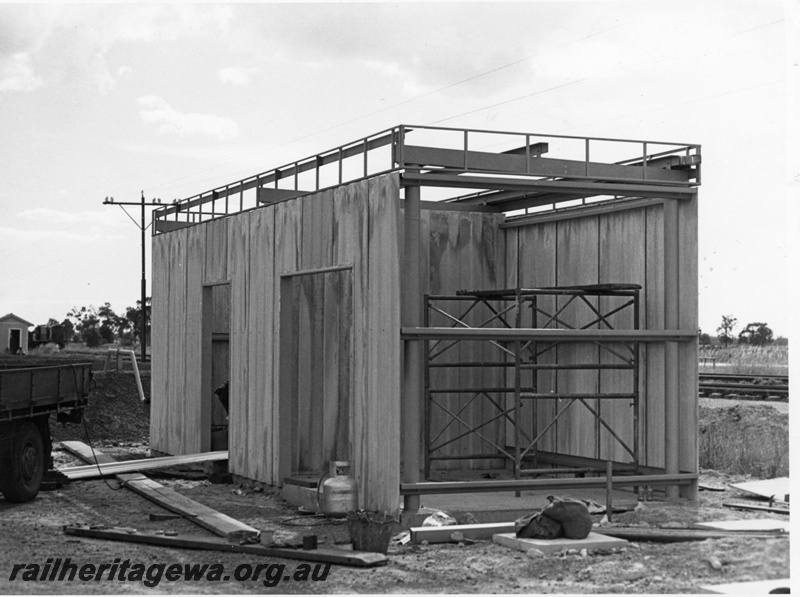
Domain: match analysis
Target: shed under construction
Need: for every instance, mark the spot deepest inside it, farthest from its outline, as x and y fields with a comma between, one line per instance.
x=532, y=312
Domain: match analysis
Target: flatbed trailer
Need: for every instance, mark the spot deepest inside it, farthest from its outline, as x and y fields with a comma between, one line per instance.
x=28, y=397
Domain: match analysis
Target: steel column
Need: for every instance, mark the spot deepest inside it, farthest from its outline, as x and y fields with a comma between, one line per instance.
x=671, y=373
x=413, y=361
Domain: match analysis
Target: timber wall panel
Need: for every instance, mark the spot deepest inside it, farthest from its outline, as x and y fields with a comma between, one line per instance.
x=287, y=250
x=463, y=251
x=688, y=351
x=622, y=260
x=577, y=263
x=176, y=356
x=355, y=234
x=261, y=316
x=241, y=423
x=193, y=398
x=216, y=250
x=159, y=379
x=626, y=247
x=653, y=365
x=383, y=346
x=537, y=267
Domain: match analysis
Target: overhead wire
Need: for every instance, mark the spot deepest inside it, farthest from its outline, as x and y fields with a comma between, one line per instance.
x=624, y=67
x=410, y=100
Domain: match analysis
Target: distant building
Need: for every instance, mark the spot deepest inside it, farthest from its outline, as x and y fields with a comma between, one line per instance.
x=14, y=333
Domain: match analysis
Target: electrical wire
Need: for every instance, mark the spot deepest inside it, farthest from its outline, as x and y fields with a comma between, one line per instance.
x=407, y=101
x=89, y=439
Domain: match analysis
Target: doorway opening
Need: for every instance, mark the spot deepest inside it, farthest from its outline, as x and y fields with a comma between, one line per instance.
x=215, y=387
x=316, y=370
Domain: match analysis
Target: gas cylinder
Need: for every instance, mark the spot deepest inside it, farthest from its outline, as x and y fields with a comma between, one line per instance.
x=338, y=494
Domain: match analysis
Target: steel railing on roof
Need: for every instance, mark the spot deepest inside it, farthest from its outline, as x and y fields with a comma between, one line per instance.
x=468, y=151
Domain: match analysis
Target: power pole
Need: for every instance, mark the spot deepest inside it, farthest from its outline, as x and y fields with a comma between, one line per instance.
x=142, y=227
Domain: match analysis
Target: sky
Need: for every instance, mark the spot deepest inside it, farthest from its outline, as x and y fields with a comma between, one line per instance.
x=170, y=100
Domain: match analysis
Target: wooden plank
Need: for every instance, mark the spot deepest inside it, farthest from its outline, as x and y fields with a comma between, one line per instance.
x=176, y=354
x=759, y=525
x=261, y=317
x=239, y=415
x=317, y=243
x=778, y=488
x=159, y=325
x=200, y=514
x=383, y=346
x=195, y=512
x=216, y=254
x=743, y=506
x=75, y=473
x=477, y=532
x=538, y=268
x=359, y=559
x=680, y=535
x=577, y=263
x=653, y=362
x=194, y=403
x=464, y=251
x=755, y=587
x=622, y=260
x=688, y=293
x=358, y=231
x=86, y=453
x=346, y=243
x=287, y=254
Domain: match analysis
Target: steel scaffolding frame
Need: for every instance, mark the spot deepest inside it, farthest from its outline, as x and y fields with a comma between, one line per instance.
x=505, y=310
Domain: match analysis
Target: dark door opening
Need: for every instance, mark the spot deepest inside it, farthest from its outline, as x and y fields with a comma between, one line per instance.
x=316, y=370
x=216, y=364
x=15, y=341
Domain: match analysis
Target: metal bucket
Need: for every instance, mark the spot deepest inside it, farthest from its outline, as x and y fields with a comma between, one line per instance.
x=370, y=531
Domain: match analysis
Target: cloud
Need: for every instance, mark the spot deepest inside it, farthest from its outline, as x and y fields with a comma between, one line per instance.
x=236, y=75
x=16, y=73
x=156, y=110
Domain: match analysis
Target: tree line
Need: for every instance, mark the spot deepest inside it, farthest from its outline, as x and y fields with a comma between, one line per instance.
x=97, y=326
x=755, y=334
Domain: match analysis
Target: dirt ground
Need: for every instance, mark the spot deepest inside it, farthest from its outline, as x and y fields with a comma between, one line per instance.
x=32, y=533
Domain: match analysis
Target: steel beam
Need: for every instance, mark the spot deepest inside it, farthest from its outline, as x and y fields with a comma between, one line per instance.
x=436, y=488
x=546, y=335
x=517, y=164
x=660, y=190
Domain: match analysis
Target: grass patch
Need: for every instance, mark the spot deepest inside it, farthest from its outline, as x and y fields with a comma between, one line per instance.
x=745, y=440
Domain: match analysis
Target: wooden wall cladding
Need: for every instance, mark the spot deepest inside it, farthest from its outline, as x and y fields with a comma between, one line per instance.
x=355, y=226
x=625, y=246
x=464, y=251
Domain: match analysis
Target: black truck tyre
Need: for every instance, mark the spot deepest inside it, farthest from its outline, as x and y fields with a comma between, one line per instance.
x=22, y=462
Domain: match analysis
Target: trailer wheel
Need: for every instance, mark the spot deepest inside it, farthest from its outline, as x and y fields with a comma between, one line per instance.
x=22, y=463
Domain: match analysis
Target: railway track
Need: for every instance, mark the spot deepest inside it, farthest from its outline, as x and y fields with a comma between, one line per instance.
x=757, y=387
